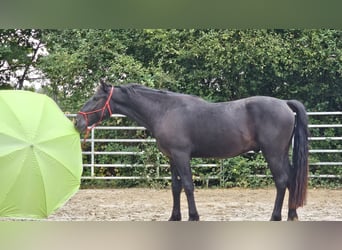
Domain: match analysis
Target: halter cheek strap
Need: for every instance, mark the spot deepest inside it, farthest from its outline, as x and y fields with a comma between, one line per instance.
x=102, y=110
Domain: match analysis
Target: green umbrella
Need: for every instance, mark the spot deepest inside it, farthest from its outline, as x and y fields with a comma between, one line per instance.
x=40, y=155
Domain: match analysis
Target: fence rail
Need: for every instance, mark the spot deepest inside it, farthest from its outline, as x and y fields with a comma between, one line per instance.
x=93, y=153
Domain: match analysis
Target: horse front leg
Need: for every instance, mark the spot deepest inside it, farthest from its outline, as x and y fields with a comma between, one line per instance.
x=176, y=192
x=181, y=163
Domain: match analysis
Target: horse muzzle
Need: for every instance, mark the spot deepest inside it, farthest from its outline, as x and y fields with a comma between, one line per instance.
x=80, y=123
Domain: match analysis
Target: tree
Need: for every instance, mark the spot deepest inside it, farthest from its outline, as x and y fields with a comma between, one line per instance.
x=19, y=52
x=79, y=58
x=218, y=65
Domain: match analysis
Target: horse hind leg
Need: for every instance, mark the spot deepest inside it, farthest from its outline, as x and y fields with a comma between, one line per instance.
x=279, y=166
x=280, y=183
x=281, y=171
x=292, y=213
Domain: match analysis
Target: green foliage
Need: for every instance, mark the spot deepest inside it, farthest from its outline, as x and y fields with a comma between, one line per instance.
x=19, y=52
x=79, y=58
x=241, y=171
x=218, y=65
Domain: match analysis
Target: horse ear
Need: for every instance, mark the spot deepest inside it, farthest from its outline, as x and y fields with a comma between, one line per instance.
x=104, y=85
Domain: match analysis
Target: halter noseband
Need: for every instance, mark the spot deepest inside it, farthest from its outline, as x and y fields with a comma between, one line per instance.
x=103, y=109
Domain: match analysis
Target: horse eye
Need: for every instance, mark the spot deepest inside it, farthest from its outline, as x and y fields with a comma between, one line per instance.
x=95, y=99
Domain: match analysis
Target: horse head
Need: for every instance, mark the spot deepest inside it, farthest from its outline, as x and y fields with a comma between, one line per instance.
x=96, y=109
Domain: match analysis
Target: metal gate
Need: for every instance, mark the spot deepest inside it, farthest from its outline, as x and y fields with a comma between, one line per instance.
x=318, y=128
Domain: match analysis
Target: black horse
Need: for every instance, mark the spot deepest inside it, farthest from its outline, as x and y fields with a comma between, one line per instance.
x=187, y=126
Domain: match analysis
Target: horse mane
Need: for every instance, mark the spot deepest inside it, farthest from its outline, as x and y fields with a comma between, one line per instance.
x=138, y=87
x=133, y=88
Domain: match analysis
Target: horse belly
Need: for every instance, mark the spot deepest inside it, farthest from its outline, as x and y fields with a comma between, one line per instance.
x=222, y=137
x=215, y=153
x=221, y=147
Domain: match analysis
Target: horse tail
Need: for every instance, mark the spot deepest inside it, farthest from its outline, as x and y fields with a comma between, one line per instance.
x=299, y=176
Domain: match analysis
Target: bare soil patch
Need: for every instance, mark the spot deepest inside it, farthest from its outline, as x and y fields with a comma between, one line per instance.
x=143, y=204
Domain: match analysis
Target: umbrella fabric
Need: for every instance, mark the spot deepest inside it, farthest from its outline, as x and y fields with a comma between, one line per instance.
x=40, y=155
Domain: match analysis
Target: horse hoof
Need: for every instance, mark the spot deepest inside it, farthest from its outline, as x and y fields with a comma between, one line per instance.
x=194, y=218
x=175, y=218
x=275, y=218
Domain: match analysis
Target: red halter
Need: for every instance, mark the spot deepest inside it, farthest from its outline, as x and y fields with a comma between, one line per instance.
x=103, y=109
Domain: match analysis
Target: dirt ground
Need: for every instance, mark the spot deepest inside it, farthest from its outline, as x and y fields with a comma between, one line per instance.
x=141, y=204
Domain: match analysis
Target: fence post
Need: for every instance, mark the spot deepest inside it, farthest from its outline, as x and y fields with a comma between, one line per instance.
x=92, y=161
x=221, y=174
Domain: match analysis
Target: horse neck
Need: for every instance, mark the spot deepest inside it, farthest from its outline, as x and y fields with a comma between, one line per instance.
x=139, y=108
